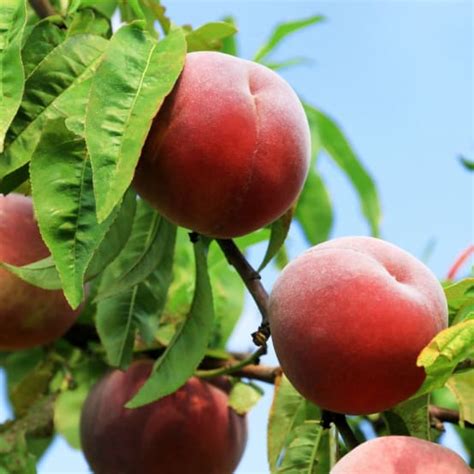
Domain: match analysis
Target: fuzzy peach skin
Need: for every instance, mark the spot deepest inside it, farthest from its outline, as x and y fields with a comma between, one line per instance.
x=229, y=150
x=348, y=320
x=29, y=316
x=401, y=455
x=192, y=431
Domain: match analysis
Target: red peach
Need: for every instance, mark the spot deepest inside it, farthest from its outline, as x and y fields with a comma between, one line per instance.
x=401, y=455
x=29, y=316
x=192, y=431
x=228, y=151
x=348, y=320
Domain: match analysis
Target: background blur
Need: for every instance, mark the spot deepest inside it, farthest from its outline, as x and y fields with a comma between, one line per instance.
x=398, y=77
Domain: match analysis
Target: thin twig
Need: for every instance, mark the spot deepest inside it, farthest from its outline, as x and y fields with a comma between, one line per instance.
x=251, y=279
x=447, y=415
x=233, y=367
x=340, y=421
x=42, y=8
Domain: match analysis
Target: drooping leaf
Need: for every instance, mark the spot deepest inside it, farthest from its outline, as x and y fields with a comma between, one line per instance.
x=338, y=148
x=89, y=21
x=284, y=416
x=153, y=8
x=440, y=357
x=229, y=43
x=188, y=346
x=279, y=232
x=65, y=66
x=460, y=296
x=244, y=396
x=46, y=35
x=63, y=197
x=44, y=273
x=227, y=287
x=462, y=386
x=281, y=32
x=106, y=7
x=314, y=209
x=210, y=36
x=152, y=240
x=12, y=77
x=137, y=73
x=410, y=418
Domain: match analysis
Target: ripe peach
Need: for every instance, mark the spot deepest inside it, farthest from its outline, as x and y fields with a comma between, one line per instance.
x=401, y=455
x=228, y=151
x=191, y=431
x=349, y=318
x=29, y=316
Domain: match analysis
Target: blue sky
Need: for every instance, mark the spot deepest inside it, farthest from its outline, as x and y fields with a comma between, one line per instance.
x=398, y=77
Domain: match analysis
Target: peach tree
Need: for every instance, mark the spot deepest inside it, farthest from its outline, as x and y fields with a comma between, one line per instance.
x=140, y=160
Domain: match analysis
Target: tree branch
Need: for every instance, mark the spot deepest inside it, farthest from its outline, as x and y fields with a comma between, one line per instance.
x=251, y=278
x=42, y=8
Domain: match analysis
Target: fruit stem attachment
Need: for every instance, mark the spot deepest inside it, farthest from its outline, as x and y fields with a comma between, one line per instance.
x=230, y=369
x=340, y=421
x=251, y=278
x=42, y=8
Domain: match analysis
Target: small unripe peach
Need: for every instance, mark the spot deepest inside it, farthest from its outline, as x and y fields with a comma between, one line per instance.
x=401, y=455
x=348, y=320
x=228, y=151
x=192, y=431
x=29, y=316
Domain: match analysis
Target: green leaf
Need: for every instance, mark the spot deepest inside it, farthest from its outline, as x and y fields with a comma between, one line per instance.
x=209, y=37
x=63, y=197
x=285, y=414
x=467, y=163
x=227, y=287
x=301, y=456
x=461, y=385
x=106, y=7
x=14, y=180
x=152, y=240
x=68, y=405
x=14, y=455
x=68, y=64
x=44, y=273
x=281, y=32
x=460, y=296
x=137, y=73
x=188, y=345
x=88, y=21
x=338, y=148
x=410, y=418
x=153, y=8
x=279, y=232
x=12, y=77
x=46, y=35
x=443, y=353
x=229, y=43
x=278, y=66
x=314, y=209
x=244, y=396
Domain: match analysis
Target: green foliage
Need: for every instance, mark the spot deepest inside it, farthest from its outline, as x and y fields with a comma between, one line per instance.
x=440, y=357
x=12, y=76
x=244, y=396
x=128, y=89
x=460, y=296
x=188, y=346
x=209, y=37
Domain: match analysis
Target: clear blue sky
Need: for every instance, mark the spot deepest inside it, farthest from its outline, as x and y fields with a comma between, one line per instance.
x=398, y=77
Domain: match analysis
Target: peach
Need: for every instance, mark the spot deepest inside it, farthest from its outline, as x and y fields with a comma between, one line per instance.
x=29, y=316
x=401, y=455
x=228, y=151
x=348, y=320
x=191, y=431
